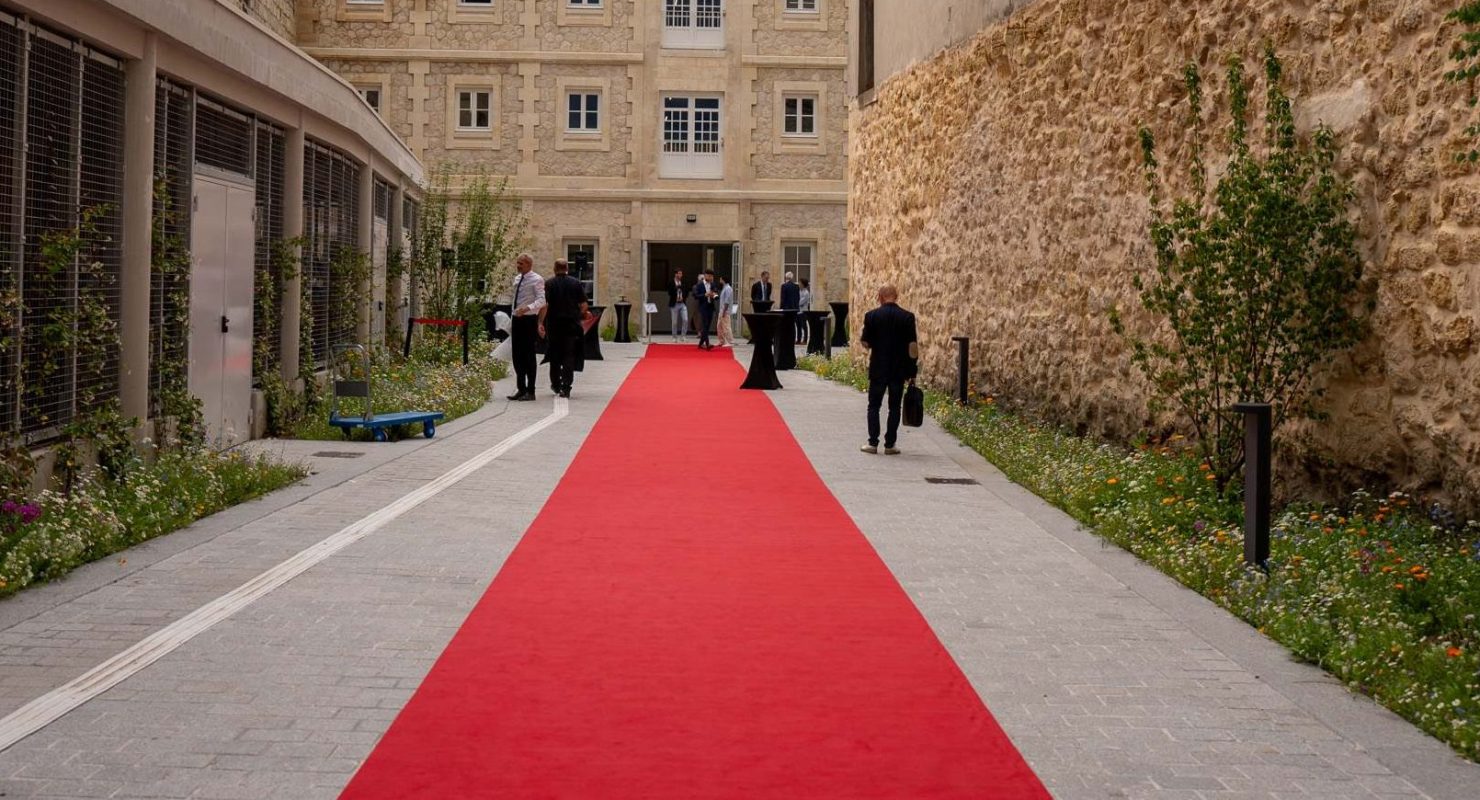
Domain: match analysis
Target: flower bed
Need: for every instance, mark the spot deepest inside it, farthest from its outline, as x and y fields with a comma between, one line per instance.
x=47, y=537
x=1378, y=593
x=433, y=379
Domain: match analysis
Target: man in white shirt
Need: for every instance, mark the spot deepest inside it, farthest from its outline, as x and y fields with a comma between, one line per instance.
x=528, y=299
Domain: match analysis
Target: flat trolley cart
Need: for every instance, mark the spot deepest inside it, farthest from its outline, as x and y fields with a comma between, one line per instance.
x=346, y=386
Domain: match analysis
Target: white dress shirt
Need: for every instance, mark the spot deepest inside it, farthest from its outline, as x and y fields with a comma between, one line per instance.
x=529, y=290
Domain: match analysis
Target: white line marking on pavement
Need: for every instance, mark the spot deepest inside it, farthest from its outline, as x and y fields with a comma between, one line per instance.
x=51, y=706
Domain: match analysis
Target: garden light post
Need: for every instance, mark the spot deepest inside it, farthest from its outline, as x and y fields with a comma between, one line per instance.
x=1258, y=419
x=963, y=368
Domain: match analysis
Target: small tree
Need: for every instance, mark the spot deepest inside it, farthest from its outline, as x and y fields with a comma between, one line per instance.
x=464, y=249
x=1253, y=279
x=1466, y=56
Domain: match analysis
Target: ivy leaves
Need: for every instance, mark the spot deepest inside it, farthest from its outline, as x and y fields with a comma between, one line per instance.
x=1466, y=56
x=1253, y=278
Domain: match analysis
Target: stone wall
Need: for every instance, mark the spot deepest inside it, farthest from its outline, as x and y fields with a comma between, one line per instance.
x=275, y=14
x=998, y=184
x=822, y=158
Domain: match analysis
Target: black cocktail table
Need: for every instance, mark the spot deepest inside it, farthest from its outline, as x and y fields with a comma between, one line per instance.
x=786, y=336
x=840, y=324
x=624, y=315
x=762, y=373
x=593, y=335
x=761, y=307
x=816, y=332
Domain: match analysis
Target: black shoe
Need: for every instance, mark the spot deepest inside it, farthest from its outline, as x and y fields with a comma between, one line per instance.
x=527, y=397
x=517, y=396
x=564, y=393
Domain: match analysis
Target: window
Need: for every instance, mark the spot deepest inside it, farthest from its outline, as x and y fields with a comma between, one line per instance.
x=801, y=6
x=583, y=112
x=800, y=116
x=474, y=110
x=797, y=258
x=582, y=259
x=865, y=45
x=475, y=3
x=695, y=24
x=371, y=95
x=584, y=3
x=691, y=138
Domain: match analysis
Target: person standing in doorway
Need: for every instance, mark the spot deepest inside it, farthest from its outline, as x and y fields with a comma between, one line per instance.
x=560, y=323
x=528, y=302
x=706, y=295
x=678, y=309
x=893, y=349
x=791, y=298
x=804, y=304
x=726, y=301
x=760, y=291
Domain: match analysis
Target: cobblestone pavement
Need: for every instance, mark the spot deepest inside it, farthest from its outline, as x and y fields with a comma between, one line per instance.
x=1114, y=682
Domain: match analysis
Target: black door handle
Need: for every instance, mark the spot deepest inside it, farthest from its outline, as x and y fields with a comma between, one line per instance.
x=225, y=324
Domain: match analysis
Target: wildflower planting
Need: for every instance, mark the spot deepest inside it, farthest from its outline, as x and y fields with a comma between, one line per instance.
x=45, y=537
x=433, y=379
x=1381, y=593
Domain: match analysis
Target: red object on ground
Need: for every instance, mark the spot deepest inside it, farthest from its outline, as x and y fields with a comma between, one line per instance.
x=662, y=632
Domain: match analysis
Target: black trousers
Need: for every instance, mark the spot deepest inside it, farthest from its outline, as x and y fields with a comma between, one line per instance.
x=876, y=392
x=565, y=342
x=801, y=327
x=526, y=331
x=706, y=320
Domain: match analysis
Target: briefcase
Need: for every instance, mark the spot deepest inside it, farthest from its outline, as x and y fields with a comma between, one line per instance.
x=914, y=406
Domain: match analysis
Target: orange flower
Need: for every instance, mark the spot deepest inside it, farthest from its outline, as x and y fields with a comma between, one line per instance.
x=1454, y=652
x=1113, y=481
x=1416, y=569
x=1400, y=587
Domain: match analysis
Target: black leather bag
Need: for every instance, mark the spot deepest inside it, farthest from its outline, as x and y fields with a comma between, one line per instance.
x=914, y=406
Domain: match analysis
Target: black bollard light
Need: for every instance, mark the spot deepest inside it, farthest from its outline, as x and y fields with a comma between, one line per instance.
x=963, y=368
x=1258, y=423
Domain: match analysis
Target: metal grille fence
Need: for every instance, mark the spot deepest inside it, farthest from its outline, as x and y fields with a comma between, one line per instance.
x=331, y=217
x=223, y=137
x=174, y=137
x=267, y=317
x=382, y=200
x=61, y=142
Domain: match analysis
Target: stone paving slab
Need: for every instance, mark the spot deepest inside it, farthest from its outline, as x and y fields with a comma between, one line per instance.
x=1113, y=680
x=287, y=697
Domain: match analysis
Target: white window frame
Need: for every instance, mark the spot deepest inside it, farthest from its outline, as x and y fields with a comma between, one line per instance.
x=787, y=116
x=801, y=6
x=803, y=269
x=379, y=89
x=362, y=11
x=698, y=149
x=458, y=137
x=794, y=15
x=694, y=24
x=472, y=93
x=585, y=113
x=815, y=143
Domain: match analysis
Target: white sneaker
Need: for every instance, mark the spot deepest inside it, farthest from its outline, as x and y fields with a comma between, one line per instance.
x=870, y=449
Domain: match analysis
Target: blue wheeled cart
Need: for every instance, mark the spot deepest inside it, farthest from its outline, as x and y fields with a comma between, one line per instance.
x=346, y=386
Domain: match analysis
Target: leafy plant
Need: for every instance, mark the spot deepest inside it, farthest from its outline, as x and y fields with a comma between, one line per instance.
x=171, y=268
x=1466, y=56
x=466, y=249
x=1254, y=277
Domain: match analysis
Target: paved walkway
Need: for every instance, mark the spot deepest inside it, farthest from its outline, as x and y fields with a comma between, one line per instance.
x=1113, y=681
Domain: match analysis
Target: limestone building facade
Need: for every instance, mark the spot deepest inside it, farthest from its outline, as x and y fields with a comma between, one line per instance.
x=654, y=135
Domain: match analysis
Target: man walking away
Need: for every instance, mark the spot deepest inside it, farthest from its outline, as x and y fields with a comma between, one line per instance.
x=528, y=302
x=706, y=295
x=889, y=337
x=678, y=310
x=560, y=323
x=760, y=291
x=726, y=300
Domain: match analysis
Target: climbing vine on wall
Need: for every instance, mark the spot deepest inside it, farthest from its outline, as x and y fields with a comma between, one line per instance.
x=1466, y=57
x=171, y=266
x=285, y=404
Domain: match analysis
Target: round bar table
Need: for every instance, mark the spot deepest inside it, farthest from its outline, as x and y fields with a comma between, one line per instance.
x=624, y=316
x=840, y=324
x=786, y=337
x=762, y=373
x=761, y=307
x=593, y=335
x=816, y=332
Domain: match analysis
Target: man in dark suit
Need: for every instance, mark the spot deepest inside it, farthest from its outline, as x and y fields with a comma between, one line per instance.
x=889, y=337
x=560, y=323
x=791, y=294
x=760, y=291
x=678, y=309
x=707, y=295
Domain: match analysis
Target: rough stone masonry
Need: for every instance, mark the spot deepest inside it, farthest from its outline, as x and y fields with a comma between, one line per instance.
x=998, y=183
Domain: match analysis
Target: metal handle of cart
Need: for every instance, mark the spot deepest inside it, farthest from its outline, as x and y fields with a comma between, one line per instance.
x=349, y=388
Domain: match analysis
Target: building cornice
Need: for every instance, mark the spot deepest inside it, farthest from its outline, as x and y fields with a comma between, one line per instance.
x=470, y=56
x=796, y=62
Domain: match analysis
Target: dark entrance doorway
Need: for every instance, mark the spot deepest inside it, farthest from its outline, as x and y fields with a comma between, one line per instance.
x=666, y=258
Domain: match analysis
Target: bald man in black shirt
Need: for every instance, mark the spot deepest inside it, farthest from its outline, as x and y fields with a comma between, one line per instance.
x=560, y=324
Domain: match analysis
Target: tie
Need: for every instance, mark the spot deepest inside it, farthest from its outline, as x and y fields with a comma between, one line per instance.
x=517, y=287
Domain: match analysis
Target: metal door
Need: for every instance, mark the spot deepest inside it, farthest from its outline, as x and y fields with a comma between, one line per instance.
x=222, y=247
x=380, y=238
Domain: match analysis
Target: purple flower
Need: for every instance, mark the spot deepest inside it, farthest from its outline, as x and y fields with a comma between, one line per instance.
x=30, y=512
x=1199, y=526
x=10, y=507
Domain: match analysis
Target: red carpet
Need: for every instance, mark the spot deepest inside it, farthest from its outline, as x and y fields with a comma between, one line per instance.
x=693, y=615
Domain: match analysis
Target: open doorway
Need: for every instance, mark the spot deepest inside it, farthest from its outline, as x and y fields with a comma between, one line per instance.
x=667, y=258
